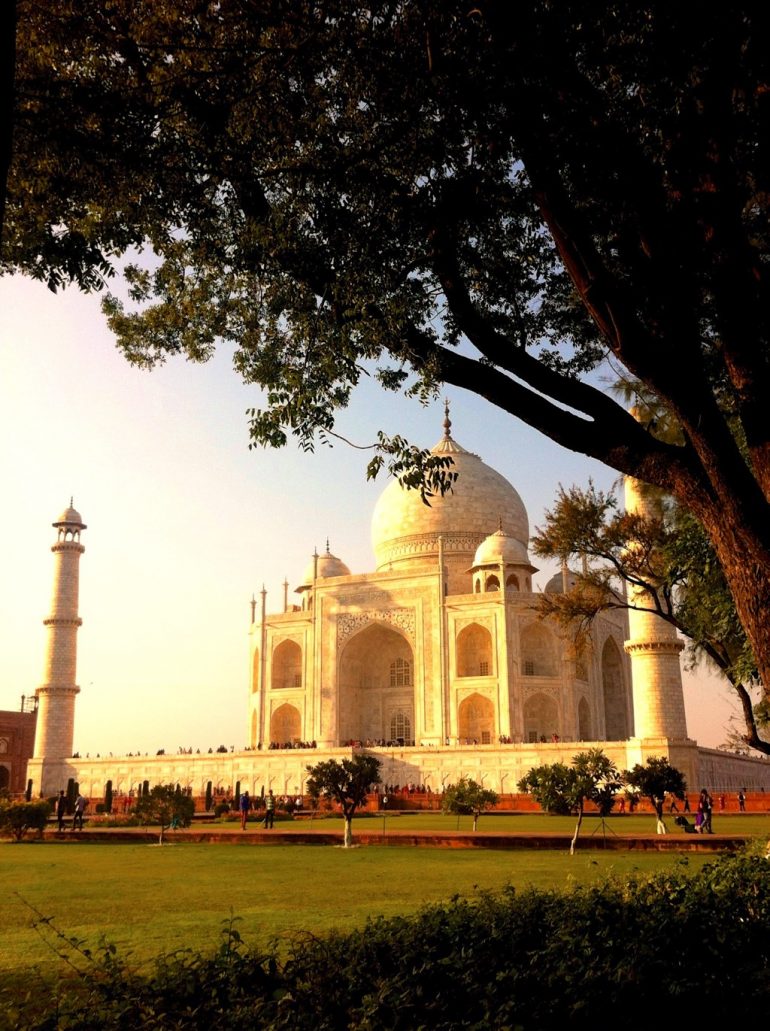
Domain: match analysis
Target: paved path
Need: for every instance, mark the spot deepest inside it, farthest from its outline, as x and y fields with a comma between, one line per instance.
x=320, y=834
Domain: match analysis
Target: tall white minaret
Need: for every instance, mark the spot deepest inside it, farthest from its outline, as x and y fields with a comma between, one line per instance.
x=654, y=648
x=56, y=695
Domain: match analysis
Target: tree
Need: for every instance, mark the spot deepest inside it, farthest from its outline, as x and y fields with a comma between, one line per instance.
x=167, y=805
x=468, y=797
x=341, y=189
x=592, y=777
x=16, y=818
x=669, y=563
x=346, y=782
x=654, y=780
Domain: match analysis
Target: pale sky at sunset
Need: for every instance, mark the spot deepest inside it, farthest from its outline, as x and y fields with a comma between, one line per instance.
x=185, y=523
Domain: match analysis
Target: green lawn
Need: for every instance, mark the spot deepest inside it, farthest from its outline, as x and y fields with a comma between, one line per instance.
x=149, y=900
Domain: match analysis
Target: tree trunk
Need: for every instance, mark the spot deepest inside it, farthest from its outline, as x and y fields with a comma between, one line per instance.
x=743, y=549
x=160, y=839
x=573, y=843
x=475, y=821
x=347, y=839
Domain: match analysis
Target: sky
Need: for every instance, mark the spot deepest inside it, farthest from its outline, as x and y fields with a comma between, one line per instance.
x=185, y=524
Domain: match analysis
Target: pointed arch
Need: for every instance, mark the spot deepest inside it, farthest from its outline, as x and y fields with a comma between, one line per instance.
x=585, y=729
x=492, y=583
x=474, y=651
x=541, y=717
x=616, y=722
x=286, y=669
x=476, y=720
x=253, y=730
x=512, y=583
x=538, y=652
x=285, y=724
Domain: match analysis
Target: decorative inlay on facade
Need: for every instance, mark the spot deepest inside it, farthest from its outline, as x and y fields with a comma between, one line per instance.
x=349, y=622
x=672, y=646
x=540, y=688
x=428, y=543
x=487, y=622
x=57, y=621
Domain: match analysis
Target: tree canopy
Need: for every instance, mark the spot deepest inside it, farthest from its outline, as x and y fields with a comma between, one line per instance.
x=346, y=782
x=165, y=804
x=592, y=777
x=665, y=562
x=492, y=195
x=469, y=797
x=656, y=778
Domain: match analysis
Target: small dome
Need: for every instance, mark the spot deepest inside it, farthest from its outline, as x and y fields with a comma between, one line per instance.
x=70, y=517
x=501, y=549
x=328, y=565
x=556, y=584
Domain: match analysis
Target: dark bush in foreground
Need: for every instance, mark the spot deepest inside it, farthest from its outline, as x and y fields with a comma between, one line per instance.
x=633, y=954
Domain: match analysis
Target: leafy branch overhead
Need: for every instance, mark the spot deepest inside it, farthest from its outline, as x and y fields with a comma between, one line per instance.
x=495, y=196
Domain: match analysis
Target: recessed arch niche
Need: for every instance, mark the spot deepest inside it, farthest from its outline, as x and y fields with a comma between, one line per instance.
x=474, y=651
x=285, y=724
x=615, y=707
x=476, y=720
x=287, y=666
x=376, y=685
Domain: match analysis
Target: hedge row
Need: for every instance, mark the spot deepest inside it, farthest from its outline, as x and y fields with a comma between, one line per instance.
x=632, y=954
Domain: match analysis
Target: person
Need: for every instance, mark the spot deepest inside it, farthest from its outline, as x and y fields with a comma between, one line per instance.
x=699, y=818
x=269, y=809
x=742, y=800
x=80, y=807
x=61, y=810
x=244, y=805
x=707, y=803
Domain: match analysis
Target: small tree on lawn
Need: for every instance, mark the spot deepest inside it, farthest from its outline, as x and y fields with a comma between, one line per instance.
x=466, y=797
x=346, y=782
x=592, y=777
x=166, y=805
x=653, y=780
x=16, y=818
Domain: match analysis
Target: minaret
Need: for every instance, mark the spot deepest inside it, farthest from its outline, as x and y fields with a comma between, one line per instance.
x=654, y=648
x=56, y=695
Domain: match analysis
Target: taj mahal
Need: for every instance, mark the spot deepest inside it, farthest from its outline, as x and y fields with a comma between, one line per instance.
x=438, y=662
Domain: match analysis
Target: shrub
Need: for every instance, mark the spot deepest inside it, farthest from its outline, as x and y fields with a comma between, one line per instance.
x=16, y=818
x=620, y=953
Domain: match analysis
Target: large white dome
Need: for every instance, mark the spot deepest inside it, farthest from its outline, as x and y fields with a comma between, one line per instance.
x=405, y=531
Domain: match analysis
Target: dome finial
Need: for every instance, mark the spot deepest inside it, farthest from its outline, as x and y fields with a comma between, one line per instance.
x=328, y=552
x=447, y=420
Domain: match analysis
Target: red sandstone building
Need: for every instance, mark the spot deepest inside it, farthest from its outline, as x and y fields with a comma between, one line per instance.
x=17, y=742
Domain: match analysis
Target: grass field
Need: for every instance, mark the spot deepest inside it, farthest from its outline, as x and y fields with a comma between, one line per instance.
x=149, y=900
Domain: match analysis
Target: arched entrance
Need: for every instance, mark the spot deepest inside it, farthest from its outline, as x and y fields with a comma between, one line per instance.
x=376, y=686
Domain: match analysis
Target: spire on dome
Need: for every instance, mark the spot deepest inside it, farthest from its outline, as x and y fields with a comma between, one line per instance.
x=447, y=420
